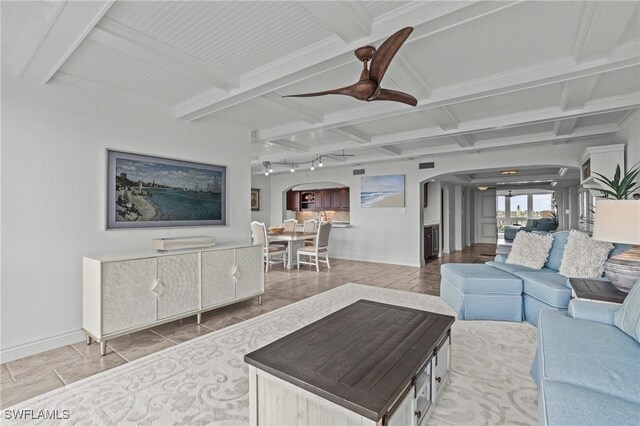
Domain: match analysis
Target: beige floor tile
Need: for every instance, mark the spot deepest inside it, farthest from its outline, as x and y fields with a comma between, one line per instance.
x=28, y=387
x=137, y=345
x=89, y=366
x=35, y=375
x=42, y=363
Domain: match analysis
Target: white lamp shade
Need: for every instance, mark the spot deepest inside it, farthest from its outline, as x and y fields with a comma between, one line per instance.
x=617, y=221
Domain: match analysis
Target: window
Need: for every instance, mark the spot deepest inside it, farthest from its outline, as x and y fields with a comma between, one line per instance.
x=501, y=210
x=541, y=206
x=519, y=207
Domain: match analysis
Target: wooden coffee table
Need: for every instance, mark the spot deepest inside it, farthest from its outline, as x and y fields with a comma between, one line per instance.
x=367, y=363
x=596, y=290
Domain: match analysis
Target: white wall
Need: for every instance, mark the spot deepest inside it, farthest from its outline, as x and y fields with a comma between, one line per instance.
x=630, y=135
x=393, y=235
x=54, y=178
x=431, y=214
x=263, y=183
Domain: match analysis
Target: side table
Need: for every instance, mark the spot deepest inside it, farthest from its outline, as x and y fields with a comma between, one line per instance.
x=596, y=291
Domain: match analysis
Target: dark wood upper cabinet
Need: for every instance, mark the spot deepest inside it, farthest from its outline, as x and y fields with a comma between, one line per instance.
x=325, y=199
x=293, y=200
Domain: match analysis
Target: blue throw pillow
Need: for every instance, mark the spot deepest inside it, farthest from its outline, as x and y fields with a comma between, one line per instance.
x=557, y=249
x=627, y=318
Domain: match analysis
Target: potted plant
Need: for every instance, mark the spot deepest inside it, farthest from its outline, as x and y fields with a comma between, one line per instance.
x=621, y=186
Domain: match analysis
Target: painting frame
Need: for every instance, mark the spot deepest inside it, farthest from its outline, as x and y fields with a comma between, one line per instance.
x=383, y=191
x=115, y=205
x=255, y=199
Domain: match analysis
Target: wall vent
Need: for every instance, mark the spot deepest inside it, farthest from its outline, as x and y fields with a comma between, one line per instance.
x=429, y=165
x=358, y=172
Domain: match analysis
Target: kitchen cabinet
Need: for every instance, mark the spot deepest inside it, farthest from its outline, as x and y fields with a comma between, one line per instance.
x=293, y=200
x=318, y=199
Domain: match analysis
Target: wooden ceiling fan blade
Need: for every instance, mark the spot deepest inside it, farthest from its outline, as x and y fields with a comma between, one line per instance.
x=385, y=53
x=395, y=96
x=348, y=91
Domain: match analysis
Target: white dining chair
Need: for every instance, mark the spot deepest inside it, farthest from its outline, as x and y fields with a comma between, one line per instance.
x=259, y=236
x=321, y=248
x=290, y=225
x=308, y=227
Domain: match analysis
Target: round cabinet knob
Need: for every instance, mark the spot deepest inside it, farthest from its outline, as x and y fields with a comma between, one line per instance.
x=438, y=379
x=418, y=414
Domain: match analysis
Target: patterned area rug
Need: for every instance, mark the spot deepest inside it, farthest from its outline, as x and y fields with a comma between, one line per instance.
x=205, y=381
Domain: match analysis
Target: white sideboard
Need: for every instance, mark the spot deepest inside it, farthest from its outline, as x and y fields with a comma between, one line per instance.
x=122, y=294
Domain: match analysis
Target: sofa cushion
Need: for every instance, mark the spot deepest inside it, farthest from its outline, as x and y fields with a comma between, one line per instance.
x=627, y=318
x=588, y=354
x=583, y=256
x=479, y=278
x=555, y=254
x=530, y=250
x=508, y=267
x=550, y=288
x=568, y=405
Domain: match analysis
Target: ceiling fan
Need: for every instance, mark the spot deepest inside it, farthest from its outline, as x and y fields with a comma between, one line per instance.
x=368, y=87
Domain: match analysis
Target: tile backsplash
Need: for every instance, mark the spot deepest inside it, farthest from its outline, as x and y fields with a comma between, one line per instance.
x=339, y=216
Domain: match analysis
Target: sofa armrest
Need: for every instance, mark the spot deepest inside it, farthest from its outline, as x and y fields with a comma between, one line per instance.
x=593, y=311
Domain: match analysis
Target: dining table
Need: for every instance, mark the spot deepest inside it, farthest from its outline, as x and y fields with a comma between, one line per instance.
x=295, y=241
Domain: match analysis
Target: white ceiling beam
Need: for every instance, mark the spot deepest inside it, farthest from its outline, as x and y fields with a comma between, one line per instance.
x=559, y=71
x=288, y=145
x=596, y=37
x=336, y=158
x=621, y=103
x=348, y=20
x=465, y=141
x=497, y=144
x=69, y=26
x=564, y=127
x=562, y=171
x=576, y=93
x=290, y=107
x=403, y=73
x=353, y=134
x=443, y=117
x=427, y=18
x=125, y=39
x=390, y=150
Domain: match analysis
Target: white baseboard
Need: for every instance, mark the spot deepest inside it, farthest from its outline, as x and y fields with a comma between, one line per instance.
x=41, y=345
x=386, y=261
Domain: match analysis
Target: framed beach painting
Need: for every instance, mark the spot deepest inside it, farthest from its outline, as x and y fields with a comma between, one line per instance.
x=382, y=191
x=147, y=191
x=255, y=200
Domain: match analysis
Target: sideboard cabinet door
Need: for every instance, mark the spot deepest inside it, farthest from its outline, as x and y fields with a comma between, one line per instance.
x=178, y=286
x=249, y=271
x=127, y=299
x=218, y=285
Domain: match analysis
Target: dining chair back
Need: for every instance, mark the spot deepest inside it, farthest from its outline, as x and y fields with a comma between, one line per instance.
x=259, y=236
x=321, y=248
x=309, y=226
x=290, y=225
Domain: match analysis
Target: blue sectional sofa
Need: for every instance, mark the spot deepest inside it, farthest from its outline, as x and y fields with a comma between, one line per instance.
x=545, y=224
x=587, y=370
x=541, y=289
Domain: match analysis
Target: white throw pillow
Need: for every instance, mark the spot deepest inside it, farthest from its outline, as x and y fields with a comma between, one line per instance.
x=531, y=250
x=583, y=256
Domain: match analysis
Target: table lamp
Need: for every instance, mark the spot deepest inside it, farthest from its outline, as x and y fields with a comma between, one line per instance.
x=618, y=221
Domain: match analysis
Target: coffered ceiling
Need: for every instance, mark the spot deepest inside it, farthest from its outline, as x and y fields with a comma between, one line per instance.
x=487, y=75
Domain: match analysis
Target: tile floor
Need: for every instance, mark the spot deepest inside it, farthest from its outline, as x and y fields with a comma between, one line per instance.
x=28, y=377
